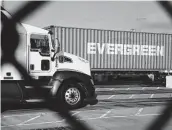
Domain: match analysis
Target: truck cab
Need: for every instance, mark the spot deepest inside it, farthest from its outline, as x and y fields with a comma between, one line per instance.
x=62, y=75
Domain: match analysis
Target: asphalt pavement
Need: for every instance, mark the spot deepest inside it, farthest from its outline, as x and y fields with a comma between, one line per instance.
x=119, y=108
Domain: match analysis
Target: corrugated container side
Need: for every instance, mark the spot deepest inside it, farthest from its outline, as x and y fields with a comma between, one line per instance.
x=118, y=50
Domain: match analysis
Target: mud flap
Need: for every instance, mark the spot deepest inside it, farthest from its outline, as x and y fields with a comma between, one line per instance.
x=55, y=83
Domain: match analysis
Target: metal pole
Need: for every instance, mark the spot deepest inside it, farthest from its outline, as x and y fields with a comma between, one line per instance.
x=139, y=20
x=3, y=3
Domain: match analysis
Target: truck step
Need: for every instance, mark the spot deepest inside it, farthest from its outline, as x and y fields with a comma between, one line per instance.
x=31, y=87
x=34, y=100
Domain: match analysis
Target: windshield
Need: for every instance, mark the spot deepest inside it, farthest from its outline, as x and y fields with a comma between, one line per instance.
x=40, y=43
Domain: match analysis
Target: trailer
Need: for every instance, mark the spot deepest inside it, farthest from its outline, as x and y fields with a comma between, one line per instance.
x=63, y=76
x=113, y=53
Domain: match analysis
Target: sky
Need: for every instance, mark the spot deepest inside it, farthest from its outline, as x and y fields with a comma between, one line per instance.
x=145, y=16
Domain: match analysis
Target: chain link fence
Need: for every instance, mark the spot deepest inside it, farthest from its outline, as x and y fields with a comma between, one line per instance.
x=9, y=29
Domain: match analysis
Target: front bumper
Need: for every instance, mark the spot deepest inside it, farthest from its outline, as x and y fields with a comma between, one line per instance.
x=91, y=100
x=91, y=96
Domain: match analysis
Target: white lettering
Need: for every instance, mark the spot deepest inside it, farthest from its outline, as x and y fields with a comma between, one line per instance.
x=100, y=49
x=119, y=48
x=136, y=50
x=152, y=51
x=110, y=48
x=160, y=51
x=127, y=49
x=91, y=48
x=144, y=50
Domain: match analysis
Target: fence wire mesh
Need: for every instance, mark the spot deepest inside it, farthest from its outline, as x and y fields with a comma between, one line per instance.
x=9, y=29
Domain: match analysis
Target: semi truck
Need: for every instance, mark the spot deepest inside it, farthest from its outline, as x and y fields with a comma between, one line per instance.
x=113, y=53
x=61, y=75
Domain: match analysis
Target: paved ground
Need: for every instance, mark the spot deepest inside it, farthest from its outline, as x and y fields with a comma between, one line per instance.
x=119, y=107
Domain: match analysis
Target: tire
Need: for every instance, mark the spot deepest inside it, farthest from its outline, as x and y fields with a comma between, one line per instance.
x=71, y=95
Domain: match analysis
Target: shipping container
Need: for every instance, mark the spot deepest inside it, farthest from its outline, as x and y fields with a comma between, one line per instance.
x=114, y=51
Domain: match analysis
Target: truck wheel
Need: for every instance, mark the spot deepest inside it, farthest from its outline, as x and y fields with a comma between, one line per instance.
x=71, y=95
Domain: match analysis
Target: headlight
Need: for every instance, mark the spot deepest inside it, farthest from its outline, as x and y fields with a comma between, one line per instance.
x=83, y=60
x=63, y=59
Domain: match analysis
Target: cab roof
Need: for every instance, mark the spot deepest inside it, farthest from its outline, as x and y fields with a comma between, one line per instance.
x=32, y=29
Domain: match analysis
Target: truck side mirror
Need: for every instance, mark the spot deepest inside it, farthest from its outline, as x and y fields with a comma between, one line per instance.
x=50, y=32
x=58, y=49
x=53, y=58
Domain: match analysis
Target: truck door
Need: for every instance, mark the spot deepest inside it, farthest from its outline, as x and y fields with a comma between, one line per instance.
x=39, y=54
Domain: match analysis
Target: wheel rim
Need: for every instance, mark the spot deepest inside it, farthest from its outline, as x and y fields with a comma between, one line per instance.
x=72, y=96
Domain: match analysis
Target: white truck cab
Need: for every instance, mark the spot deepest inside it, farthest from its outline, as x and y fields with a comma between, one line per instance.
x=39, y=56
x=63, y=75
